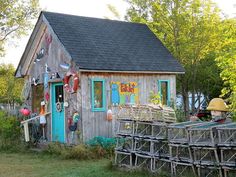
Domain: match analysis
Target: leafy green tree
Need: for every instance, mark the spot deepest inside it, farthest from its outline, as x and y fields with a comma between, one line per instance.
x=227, y=61
x=190, y=30
x=15, y=19
x=10, y=87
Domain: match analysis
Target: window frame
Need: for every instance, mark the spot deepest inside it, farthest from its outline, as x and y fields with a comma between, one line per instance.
x=103, y=108
x=168, y=90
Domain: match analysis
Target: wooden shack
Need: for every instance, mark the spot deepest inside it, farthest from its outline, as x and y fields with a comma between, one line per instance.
x=81, y=66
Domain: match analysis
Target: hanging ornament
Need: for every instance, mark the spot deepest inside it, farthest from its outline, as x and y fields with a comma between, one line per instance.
x=58, y=107
x=47, y=96
x=76, y=117
x=65, y=66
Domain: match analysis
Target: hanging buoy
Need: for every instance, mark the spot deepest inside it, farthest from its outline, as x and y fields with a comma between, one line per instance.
x=66, y=79
x=25, y=112
x=109, y=114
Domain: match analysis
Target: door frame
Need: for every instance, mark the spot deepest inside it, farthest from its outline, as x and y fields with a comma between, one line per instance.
x=51, y=87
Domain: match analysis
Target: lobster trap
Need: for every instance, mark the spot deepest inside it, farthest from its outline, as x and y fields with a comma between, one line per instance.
x=228, y=156
x=143, y=161
x=177, y=132
x=125, y=112
x=182, y=169
x=204, y=134
x=161, y=166
x=160, y=149
x=124, y=159
x=159, y=131
x=154, y=130
x=205, y=156
x=143, y=129
x=143, y=145
x=227, y=135
x=180, y=153
x=125, y=127
x=229, y=171
x=124, y=143
x=209, y=171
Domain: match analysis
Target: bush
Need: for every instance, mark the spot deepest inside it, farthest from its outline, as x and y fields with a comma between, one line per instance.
x=10, y=132
x=79, y=152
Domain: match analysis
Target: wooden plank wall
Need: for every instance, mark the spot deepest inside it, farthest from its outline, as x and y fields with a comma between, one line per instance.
x=95, y=123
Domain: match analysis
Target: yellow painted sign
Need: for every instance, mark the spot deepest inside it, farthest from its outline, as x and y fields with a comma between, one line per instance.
x=124, y=93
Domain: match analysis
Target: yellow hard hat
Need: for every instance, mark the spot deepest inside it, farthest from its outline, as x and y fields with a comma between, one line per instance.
x=217, y=104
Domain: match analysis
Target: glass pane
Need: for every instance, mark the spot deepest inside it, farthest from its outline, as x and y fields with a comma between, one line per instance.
x=59, y=93
x=98, y=99
x=164, y=92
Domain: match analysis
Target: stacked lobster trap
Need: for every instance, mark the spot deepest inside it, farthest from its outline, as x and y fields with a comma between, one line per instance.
x=181, y=156
x=149, y=138
x=142, y=137
x=227, y=148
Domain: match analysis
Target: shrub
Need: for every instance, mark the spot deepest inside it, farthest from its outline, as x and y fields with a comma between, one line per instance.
x=10, y=133
x=79, y=152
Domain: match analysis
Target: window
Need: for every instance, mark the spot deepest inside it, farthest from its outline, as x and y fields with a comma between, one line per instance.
x=98, y=95
x=164, y=90
x=37, y=97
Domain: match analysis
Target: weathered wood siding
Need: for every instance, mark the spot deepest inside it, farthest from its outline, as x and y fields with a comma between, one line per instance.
x=95, y=123
x=54, y=55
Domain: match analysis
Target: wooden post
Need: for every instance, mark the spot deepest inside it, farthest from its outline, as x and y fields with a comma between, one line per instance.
x=26, y=131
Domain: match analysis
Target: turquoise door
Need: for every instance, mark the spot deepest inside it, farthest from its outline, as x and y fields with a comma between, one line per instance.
x=58, y=120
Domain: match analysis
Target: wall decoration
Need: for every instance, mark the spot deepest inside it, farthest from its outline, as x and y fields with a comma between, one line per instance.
x=48, y=39
x=115, y=94
x=58, y=106
x=65, y=66
x=124, y=93
x=35, y=81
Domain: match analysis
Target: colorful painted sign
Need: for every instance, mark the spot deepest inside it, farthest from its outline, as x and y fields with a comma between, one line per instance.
x=124, y=93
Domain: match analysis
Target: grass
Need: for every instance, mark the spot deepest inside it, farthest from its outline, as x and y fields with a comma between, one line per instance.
x=40, y=165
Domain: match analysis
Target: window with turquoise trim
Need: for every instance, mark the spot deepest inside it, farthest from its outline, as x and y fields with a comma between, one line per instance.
x=98, y=95
x=164, y=90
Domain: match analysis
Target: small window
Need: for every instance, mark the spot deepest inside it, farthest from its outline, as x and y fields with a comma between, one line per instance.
x=98, y=95
x=164, y=90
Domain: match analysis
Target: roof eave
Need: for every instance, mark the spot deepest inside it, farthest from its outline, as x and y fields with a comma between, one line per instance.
x=136, y=72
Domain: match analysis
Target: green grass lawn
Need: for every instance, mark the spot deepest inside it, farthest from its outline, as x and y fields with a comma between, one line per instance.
x=35, y=165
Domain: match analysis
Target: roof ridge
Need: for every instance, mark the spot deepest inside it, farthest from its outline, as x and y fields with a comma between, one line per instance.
x=86, y=17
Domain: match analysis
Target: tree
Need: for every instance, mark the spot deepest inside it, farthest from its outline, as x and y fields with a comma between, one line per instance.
x=226, y=60
x=190, y=30
x=10, y=87
x=15, y=19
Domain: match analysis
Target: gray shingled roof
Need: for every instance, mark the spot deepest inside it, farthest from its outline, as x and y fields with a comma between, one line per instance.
x=102, y=44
